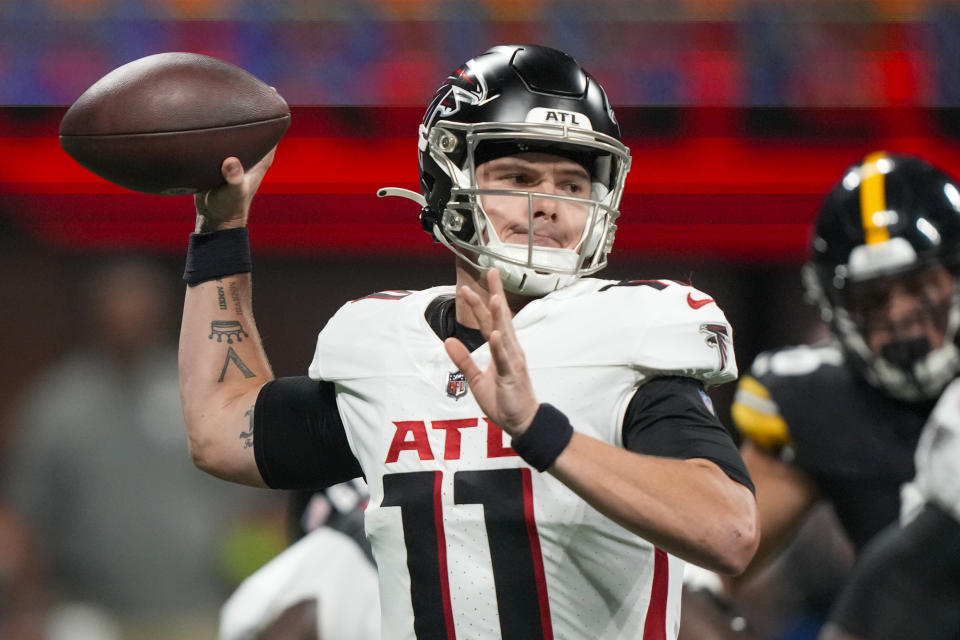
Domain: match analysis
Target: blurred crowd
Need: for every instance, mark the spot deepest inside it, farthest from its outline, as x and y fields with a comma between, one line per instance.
x=655, y=52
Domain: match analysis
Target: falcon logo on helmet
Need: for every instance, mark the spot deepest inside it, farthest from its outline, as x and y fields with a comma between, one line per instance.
x=466, y=86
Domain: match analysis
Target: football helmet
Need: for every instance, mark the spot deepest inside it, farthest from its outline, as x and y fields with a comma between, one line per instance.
x=892, y=220
x=509, y=100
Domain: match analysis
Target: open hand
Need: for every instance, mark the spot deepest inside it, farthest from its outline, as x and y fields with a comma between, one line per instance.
x=228, y=205
x=503, y=391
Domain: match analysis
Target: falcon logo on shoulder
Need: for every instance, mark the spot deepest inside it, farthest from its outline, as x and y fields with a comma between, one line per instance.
x=456, y=385
x=718, y=337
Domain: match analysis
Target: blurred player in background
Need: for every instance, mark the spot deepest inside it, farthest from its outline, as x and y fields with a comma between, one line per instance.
x=613, y=468
x=907, y=581
x=323, y=587
x=840, y=421
x=128, y=532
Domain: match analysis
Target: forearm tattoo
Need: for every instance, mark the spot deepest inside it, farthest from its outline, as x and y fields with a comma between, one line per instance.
x=221, y=298
x=229, y=328
x=235, y=359
x=235, y=296
x=246, y=437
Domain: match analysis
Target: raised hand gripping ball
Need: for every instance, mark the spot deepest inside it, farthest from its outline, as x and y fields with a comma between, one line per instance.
x=163, y=124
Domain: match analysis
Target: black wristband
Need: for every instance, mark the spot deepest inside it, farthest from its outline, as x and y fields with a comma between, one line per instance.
x=217, y=254
x=545, y=439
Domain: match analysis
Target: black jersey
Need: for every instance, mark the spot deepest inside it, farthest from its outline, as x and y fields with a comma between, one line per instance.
x=804, y=405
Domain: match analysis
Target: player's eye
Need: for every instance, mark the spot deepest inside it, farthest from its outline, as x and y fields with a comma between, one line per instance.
x=577, y=187
x=518, y=178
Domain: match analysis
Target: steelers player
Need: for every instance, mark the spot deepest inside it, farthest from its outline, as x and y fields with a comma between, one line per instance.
x=839, y=421
x=539, y=449
x=906, y=583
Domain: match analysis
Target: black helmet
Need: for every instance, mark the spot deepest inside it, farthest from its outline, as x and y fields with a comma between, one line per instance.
x=509, y=100
x=890, y=216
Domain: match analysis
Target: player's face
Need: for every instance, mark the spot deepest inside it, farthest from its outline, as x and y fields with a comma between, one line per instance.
x=556, y=223
x=907, y=308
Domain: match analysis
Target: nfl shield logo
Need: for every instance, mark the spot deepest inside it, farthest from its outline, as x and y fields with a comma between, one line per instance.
x=456, y=384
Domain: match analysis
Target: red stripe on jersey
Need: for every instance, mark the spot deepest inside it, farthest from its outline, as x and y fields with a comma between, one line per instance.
x=442, y=555
x=537, y=556
x=655, y=626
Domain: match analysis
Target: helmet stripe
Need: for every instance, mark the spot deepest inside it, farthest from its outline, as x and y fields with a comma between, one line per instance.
x=873, y=199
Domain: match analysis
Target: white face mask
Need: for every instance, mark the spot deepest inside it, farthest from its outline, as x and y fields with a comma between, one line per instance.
x=531, y=269
x=526, y=268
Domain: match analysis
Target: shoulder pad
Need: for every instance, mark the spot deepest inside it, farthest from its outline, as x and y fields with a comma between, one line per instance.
x=357, y=340
x=664, y=327
x=755, y=410
x=757, y=417
x=799, y=360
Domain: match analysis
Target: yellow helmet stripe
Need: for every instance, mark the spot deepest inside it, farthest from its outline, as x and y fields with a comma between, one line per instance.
x=872, y=198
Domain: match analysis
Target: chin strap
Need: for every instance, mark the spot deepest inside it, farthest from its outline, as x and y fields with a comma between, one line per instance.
x=385, y=192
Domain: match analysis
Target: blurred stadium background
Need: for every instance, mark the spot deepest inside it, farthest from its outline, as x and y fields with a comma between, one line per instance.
x=739, y=114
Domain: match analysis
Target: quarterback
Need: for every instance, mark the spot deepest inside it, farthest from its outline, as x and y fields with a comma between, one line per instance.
x=540, y=452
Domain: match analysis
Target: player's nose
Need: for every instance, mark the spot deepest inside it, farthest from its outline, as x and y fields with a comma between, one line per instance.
x=546, y=207
x=905, y=311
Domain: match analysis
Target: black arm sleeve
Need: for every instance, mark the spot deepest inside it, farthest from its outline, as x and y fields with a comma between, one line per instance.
x=298, y=436
x=669, y=417
x=906, y=583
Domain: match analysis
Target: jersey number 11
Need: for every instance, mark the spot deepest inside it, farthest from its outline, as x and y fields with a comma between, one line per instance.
x=507, y=499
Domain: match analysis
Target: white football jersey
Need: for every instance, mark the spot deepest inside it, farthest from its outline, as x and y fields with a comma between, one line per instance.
x=324, y=566
x=470, y=541
x=938, y=453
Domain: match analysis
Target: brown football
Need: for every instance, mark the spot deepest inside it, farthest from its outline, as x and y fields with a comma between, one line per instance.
x=164, y=123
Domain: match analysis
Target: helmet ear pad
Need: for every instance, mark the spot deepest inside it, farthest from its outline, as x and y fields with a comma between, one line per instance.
x=429, y=219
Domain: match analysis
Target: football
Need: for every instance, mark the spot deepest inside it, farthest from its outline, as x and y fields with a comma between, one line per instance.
x=163, y=124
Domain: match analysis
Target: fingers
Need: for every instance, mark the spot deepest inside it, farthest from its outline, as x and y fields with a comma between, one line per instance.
x=480, y=311
x=495, y=286
x=503, y=358
x=494, y=283
x=503, y=318
x=496, y=324
x=232, y=171
x=267, y=160
x=461, y=358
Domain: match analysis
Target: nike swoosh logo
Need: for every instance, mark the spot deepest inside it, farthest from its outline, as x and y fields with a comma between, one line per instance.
x=696, y=304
